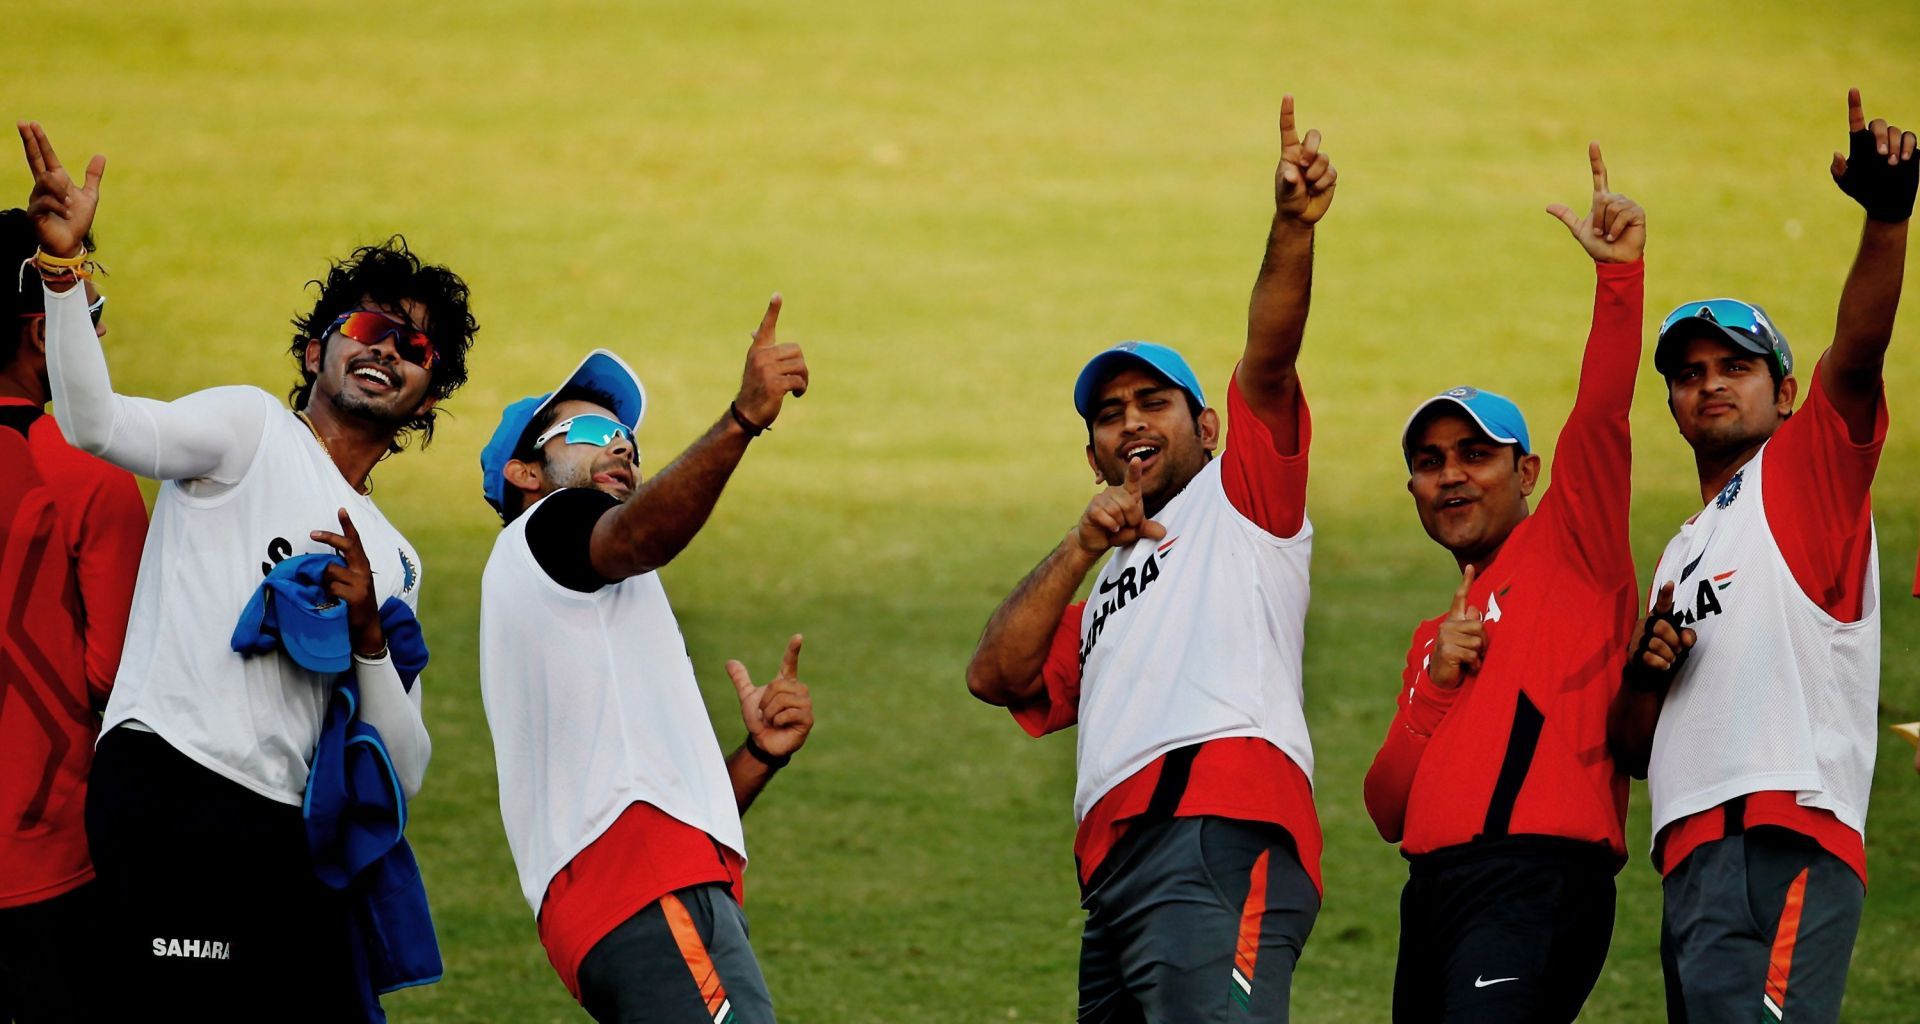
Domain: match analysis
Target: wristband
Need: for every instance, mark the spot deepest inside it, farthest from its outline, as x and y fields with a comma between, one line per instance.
x=775, y=763
x=1884, y=191
x=753, y=429
x=63, y=268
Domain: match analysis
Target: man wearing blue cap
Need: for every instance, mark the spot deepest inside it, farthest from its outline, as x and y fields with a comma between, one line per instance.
x=622, y=814
x=1198, y=845
x=1753, y=684
x=193, y=816
x=1495, y=777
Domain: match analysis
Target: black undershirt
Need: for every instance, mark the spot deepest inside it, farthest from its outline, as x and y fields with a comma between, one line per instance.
x=560, y=535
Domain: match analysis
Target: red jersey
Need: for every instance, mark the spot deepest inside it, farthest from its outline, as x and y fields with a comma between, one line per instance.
x=1245, y=778
x=1520, y=747
x=1816, y=496
x=71, y=530
x=644, y=855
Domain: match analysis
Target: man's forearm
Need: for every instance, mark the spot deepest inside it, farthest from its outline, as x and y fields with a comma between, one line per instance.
x=1630, y=723
x=662, y=516
x=749, y=775
x=1868, y=302
x=1007, y=663
x=1277, y=312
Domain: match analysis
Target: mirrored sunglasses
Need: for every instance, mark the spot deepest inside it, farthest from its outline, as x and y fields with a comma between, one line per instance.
x=370, y=327
x=1739, y=315
x=589, y=428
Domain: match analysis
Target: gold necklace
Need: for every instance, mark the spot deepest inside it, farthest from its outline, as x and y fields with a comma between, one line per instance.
x=366, y=488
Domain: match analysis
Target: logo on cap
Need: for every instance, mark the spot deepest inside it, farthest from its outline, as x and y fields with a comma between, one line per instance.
x=1466, y=393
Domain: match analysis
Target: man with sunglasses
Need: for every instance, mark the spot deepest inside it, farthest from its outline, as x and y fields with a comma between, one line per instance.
x=71, y=527
x=1753, y=684
x=1494, y=776
x=622, y=813
x=212, y=909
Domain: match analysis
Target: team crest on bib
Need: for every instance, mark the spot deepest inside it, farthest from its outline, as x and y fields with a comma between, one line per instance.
x=1730, y=493
x=408, y=574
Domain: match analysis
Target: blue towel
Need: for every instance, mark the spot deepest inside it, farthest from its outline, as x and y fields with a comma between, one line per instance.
x=356, y=812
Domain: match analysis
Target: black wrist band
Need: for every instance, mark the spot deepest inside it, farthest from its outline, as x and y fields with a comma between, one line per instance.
x=754, y=751
x=753, y=429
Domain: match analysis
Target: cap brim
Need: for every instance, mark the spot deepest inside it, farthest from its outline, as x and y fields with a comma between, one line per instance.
x=1406, y=432
x=315, y=638
x=1688, y=328
x=606, y=372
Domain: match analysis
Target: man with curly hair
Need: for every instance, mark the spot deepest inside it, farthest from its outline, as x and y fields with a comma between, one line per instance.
x=194, y=811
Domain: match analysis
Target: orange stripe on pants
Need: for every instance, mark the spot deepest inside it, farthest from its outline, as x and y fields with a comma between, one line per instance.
x=694, y=952
x=1781, y=962
x=1248, y=947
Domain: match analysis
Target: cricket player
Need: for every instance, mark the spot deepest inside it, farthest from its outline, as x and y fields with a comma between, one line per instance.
x=1753, y=685
x=621, y=811
x=213, y=911
x=1198, y=844
x=71, y=527
x=1495, y=777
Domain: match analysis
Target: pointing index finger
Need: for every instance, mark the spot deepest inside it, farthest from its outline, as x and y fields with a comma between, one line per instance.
x=1288, y=139
x=790, y=664
x=763, y=335
x=1664, y=606
x=1459, y=609
x=1133, y=477
x=1599, y=168
x=1856, y=118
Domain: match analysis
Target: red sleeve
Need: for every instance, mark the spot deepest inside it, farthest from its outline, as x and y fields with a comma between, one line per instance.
x=1816, y=496
x=1588, y=499
x=1058, y=704
x=113, y=529
x=1266, y=485
x=1422, y=707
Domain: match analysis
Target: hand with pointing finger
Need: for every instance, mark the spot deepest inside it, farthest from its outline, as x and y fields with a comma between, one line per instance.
x=62, y=212
x=1661, y=645
x=1880, y=169
x=779, y=715
x=1462, y=641
x=353, y=584
x=1303, y=182
x=773, y=372
x=1116, y=517
x=1615, y=227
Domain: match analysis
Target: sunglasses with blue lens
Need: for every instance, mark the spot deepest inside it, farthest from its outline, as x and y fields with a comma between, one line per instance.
x=1741, y=316
x=589, y=428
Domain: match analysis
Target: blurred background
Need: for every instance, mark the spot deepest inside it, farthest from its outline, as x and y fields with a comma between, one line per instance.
x=961, y=202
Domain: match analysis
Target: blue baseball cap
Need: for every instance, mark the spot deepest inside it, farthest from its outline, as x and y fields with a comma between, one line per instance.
x=1743, y=325
x=1158, y=358
x=601, y=370
x=292, y=611
x=1496, y=415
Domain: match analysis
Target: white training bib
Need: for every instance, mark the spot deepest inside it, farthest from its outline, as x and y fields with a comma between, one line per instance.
x=252, y=719
x=1193, y=637
x=1777, y=694
x=593, y=706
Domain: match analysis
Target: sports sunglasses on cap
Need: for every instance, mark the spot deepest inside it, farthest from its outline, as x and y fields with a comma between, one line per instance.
x=1742, y=323
x=370, y=326
x=589, y=428
x=94, y=309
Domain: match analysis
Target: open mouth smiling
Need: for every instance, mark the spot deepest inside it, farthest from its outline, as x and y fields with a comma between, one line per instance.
x=373, y=373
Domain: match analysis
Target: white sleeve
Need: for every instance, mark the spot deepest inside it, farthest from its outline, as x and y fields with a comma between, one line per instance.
x=210, y=435
x=387, y=705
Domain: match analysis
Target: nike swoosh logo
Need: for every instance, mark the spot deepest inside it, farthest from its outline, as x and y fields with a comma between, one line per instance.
x=1688, y=571
x=1479, y=982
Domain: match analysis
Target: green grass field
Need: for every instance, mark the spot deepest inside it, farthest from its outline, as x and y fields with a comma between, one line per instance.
x=961, y=203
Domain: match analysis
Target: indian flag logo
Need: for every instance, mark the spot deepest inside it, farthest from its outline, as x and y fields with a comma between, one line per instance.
x=1725, y=579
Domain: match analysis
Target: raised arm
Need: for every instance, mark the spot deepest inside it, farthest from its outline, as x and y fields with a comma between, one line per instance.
x=665, y=512
x=1303, y=185
x=1431, y=683
x=1006, y=666
x=778, y=717
x=196, y=437
x=1879, y=172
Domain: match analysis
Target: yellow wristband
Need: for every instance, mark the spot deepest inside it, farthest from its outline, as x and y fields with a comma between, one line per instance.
x=49, y=261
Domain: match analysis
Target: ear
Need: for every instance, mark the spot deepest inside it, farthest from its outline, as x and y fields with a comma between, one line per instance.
x=35, y=336
x=1783, y=396
x=1529, y=473
x=1207, y=424
x=1098, y=477
x=315, y=349
x=426, y=406
x=525, y=476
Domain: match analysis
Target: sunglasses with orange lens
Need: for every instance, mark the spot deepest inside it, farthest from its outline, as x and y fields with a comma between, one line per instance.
x=370, y=326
